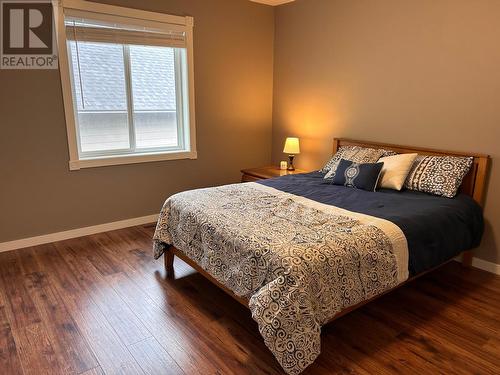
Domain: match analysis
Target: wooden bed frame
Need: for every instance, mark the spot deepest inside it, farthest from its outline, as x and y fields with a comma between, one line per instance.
x=474, y=184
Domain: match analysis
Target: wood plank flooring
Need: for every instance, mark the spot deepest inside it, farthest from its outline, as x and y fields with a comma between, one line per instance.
x=101, y=305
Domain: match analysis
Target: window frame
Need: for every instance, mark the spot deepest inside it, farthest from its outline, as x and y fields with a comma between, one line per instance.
x=188, y=141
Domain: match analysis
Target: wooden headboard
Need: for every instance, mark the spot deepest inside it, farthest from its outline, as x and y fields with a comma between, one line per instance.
x=474, y=184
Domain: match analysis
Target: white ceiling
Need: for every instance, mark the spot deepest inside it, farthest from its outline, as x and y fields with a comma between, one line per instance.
x=272, y=2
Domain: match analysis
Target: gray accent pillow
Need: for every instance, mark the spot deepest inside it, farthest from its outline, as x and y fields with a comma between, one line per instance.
x=438, y=175
x=354, y=153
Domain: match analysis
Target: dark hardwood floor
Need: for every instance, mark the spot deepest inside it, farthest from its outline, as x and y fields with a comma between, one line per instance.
x=101, y=304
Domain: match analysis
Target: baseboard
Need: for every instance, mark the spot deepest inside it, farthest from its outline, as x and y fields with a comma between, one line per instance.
x=486, y=266
x=483, y=265
x=79, y=232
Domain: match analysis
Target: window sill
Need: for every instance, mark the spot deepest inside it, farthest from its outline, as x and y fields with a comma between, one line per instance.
x=75, y=165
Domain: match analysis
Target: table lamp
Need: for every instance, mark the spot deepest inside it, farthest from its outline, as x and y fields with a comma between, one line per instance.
x=291, y=148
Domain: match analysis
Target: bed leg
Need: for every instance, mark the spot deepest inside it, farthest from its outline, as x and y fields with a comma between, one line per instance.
x=467, y=259
x=169, y=263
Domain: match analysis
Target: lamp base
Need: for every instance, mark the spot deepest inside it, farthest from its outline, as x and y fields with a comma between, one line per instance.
x=290, y=163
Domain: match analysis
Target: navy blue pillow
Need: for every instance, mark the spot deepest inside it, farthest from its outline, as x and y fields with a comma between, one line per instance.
x=356, y=175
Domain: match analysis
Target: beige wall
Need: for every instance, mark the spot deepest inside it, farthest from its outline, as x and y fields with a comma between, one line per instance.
x=423, y=73
x=233, y=77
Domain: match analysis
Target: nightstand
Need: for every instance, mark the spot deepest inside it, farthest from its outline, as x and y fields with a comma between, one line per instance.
x=262, y=173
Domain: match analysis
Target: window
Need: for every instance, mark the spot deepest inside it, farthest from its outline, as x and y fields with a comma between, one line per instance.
x=127, y=84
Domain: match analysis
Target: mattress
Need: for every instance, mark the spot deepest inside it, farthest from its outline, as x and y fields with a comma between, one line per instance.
x=436, y=228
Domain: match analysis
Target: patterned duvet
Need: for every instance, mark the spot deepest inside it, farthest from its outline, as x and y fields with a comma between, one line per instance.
x=299, y=261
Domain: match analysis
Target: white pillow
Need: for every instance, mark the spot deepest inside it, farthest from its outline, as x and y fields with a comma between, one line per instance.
x=395, y=170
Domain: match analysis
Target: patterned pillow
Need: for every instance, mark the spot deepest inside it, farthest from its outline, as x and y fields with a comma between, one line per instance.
x=354, y=153
x=439, y=175
x=388, y=153
x=357, y=175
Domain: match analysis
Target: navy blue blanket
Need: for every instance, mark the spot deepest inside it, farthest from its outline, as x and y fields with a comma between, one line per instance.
x=437, y=229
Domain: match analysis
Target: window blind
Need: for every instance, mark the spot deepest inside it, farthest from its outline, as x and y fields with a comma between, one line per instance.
x=92, y=27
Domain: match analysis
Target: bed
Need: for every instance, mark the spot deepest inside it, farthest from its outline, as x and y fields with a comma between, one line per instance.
x=300, y=254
